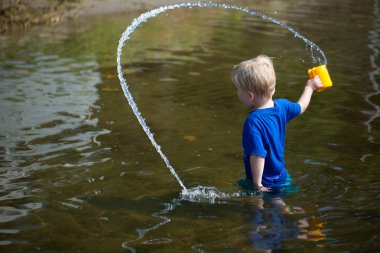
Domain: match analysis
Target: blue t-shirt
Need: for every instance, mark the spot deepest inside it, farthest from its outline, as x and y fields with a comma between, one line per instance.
x=264, y=136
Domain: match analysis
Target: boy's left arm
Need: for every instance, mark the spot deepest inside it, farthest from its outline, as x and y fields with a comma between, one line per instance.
x=257, y=167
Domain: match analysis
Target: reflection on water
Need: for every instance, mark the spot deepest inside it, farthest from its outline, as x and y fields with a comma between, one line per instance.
x=35, y=95
x=43, y=99
x=77, y=172
x=273, y=223
x=143, y=231
x=268, y=224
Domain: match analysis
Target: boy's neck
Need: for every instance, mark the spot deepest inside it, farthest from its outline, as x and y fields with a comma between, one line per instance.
x=263, y=103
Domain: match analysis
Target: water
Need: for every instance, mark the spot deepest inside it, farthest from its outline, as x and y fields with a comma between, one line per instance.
x=77, y=172
x=193, y=193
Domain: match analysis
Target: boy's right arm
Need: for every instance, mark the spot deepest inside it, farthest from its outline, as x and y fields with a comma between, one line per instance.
x=310, y=87
x=257, y=167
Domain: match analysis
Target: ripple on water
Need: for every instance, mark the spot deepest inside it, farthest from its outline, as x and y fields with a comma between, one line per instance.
x=159, y=241
x=47, y=104
x=9, y=213
x=10, y=188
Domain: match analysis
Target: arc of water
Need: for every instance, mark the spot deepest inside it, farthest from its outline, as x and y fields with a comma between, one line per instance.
x=150, y=14
x=374, y=37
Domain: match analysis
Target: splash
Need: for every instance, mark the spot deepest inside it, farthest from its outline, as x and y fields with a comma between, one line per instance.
x=206, y=194
x=198, y=192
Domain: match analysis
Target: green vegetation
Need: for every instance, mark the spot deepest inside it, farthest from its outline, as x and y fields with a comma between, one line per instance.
x=24, y=13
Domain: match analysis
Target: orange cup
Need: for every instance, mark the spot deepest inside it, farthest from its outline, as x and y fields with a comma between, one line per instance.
x=323, y=74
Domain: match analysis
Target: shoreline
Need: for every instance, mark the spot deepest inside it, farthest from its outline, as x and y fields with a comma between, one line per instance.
x=21, y=14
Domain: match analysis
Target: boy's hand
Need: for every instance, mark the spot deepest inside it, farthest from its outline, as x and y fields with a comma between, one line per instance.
x=262, y=188
x=310, y=86
x=314, y=83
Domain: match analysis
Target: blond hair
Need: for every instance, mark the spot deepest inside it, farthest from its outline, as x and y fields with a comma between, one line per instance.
x=256, y=75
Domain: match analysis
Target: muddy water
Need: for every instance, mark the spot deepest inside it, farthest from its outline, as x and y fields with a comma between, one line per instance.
x=77, y=173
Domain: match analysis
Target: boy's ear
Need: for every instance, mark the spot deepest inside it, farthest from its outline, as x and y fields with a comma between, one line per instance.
x=251, y=95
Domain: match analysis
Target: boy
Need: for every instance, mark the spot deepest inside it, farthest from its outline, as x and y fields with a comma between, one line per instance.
x=264, y=128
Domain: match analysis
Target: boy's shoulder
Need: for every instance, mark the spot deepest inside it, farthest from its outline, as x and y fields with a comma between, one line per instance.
x=291, y=109
x=285, y=102
x=281, y=101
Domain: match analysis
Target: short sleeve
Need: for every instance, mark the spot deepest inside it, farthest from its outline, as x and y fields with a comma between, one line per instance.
x=292, y=110
x=253, y=142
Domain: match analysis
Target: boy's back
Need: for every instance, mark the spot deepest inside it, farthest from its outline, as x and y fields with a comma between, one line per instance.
x=264, y=136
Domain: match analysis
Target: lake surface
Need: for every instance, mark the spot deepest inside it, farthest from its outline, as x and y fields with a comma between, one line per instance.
x=78, y=173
